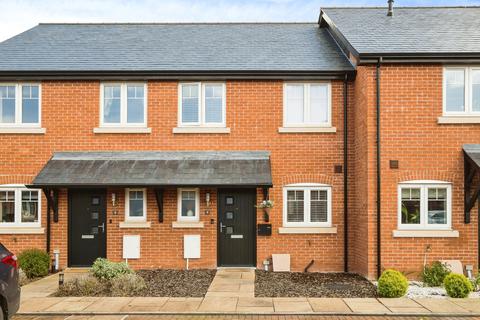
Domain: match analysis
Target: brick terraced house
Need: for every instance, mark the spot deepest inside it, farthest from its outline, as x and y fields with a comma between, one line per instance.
x=155, y=142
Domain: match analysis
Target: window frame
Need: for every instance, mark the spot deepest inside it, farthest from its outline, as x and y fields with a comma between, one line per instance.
x=124, y=105
x=307, y=188
x=201, y=105
x=306, y=104
x=196, y=217
x=468, y=92
x=424, y=185
x=19, y=104
x=129, y=218
x=17, y=189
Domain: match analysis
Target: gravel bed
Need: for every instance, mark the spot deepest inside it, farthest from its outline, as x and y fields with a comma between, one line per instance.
x=417, y=290
x=313, y=284
x=176, y=283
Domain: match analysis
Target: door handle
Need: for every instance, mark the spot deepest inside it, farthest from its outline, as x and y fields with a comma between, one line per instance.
x=103, y=227
x=221, y=227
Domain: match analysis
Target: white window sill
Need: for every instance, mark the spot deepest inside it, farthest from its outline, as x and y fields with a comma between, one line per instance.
x=130, y=224
x=459, y=119
x=188, y=225
x=201, y=130
x=21, y=230
x=20, y=130
x=122, y=130
x=307, y=230
x=307, y=130
x=425, y=234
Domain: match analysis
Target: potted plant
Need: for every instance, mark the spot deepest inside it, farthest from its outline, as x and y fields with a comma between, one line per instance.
x=266, y=205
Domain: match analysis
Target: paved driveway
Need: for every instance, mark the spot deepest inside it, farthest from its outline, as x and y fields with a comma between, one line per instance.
x=233, y=317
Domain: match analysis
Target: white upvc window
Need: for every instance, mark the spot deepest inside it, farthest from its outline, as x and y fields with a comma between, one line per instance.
x=20, y=105
x=307, y=205
x=136, y=205
x=461, y=91
x=123, y=104
x=19, y=206
x=188, y=204
x=202, y=104
x=307, y=104
x=424, y=205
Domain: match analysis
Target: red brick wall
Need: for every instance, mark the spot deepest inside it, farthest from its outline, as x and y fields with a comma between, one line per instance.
x=411, y=102
x=70, y=111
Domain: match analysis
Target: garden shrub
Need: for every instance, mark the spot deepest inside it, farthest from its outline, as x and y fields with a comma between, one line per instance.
x=84, y=286
x=433, y=276
x=392, y=284
x=129, y=284
x=104, y=269
x=457, y=285
x=34, y=263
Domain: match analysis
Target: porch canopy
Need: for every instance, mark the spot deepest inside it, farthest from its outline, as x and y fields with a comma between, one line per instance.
x=156, y=169
x=471, y=154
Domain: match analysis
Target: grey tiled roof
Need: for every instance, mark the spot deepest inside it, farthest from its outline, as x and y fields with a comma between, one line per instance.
x=425, y=30
x=473, y=151
x=173, y=47
x=153, y=168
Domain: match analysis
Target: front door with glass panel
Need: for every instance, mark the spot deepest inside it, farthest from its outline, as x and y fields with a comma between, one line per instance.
x=87, y=240
x=236, y=227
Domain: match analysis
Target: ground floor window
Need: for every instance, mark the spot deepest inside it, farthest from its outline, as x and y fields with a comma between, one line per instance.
x=424, y=205
x=19, y=206
x=135, y=205
x=188, y=204
x=307, y=205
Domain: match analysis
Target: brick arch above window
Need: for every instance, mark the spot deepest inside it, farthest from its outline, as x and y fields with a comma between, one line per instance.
x=428, y=175
x=16, y=179
x=309, y=178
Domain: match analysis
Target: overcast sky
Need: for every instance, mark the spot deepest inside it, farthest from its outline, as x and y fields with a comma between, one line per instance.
x=19, y=15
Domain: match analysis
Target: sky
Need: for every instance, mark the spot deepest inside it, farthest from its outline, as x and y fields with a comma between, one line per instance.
x=19, y=15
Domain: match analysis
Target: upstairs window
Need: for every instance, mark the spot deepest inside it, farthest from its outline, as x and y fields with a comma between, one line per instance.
x=461, y=91
x=307, y=206
x=19, y=207
x=123, y=104
x=19, y=105
x=424, y=205
x=307, y=105
x=202, y=104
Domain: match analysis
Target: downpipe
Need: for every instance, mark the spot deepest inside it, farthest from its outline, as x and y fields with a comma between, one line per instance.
x=379, y=184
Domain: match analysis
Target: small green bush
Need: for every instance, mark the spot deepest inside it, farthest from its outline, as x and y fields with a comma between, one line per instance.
x=104, y=269
x=433, y=276
x=127, y=285
x=457, y=285
x=84, y=286
x=392, y=284
x=34, y=263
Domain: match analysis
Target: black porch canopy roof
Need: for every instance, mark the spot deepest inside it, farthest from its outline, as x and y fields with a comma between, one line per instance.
x=471, y=169
x=154, y=168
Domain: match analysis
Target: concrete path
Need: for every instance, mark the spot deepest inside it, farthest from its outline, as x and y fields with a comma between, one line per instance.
x=231, y=292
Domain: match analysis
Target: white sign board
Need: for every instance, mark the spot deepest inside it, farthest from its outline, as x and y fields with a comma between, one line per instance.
x=131, y=247
x=191, y=246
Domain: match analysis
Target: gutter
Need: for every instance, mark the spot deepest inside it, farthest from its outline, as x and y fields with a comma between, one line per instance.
x=379, y=184
x=345, y=174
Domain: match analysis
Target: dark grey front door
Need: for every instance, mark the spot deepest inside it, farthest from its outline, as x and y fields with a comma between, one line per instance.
x=236, y=227
x=86, y=232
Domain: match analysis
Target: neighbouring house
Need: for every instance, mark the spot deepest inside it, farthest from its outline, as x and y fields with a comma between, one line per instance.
x=155, y=143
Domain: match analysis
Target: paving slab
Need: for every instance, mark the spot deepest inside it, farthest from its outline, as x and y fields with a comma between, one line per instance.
x=110, y=304
x=97, y=317
x=235, y=294
x=181, y=305
x=293, y=305
x=218, y=304
x=418, y=310
x=329, y=305
x=366, y=305
x=38, y=304
x=74, y=304
x=472, y=305
x=255, y=310
x=145, y=304
x=441, y=306
x=255, y=302
x=399, y=303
